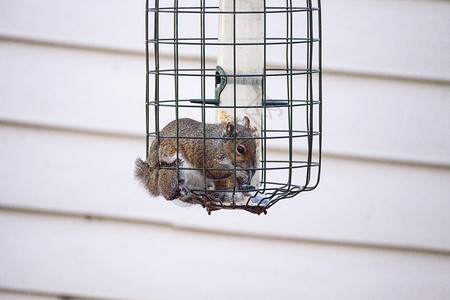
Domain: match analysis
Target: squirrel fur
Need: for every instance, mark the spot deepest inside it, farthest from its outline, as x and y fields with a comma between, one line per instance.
x=220, y=153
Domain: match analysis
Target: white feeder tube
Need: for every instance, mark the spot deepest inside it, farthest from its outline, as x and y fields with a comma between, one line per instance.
x=249, y=28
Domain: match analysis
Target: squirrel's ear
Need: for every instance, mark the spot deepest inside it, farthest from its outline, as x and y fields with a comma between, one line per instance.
x=245, y=122
x=229, y=130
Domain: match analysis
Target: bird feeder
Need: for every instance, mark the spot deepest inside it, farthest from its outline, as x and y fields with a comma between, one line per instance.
x=222, y=60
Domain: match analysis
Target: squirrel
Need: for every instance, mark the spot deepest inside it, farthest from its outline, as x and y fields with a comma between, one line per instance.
x=220, y=153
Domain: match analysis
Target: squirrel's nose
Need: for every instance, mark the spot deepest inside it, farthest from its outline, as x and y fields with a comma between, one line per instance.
x=247, y=187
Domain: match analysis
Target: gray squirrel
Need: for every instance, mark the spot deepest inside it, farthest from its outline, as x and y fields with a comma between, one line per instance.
x=220, y=153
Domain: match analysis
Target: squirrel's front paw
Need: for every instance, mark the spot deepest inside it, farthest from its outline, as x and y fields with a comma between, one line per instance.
x=184, y=191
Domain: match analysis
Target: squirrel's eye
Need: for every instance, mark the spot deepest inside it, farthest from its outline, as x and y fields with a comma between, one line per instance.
x=240, y=149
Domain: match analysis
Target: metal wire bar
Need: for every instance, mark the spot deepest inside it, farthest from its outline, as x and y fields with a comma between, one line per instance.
x=197, y=73
x=235, y=98
x=289, y=136
x=311, y=91
x=280, y=103
x=301, y=164
x=147, y=88
x=290, y=88
x=215, y=42
x=215, y=10
x=203, y=86
x=319, y=24
x=176, y=63
x=264, y=102
x=156, y=50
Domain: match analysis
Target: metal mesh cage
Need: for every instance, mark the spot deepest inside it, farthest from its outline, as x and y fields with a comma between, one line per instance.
x=201, y=65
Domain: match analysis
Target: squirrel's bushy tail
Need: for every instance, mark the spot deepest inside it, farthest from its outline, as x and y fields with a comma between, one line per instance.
x=147, y=173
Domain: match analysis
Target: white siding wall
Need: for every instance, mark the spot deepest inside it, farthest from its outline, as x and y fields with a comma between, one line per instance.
x=74, y=223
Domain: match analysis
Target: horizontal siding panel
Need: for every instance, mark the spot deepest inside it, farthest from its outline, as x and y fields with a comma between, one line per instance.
x=356, y=202
x=100, y=23
x=126, y=261
x=403, y=121
x=16, y=296
x=88, y=90
x=394, y=120
x=401, y=37
x=396, y=38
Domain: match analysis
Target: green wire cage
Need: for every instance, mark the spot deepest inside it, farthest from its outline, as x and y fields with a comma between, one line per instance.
x=251, y=62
